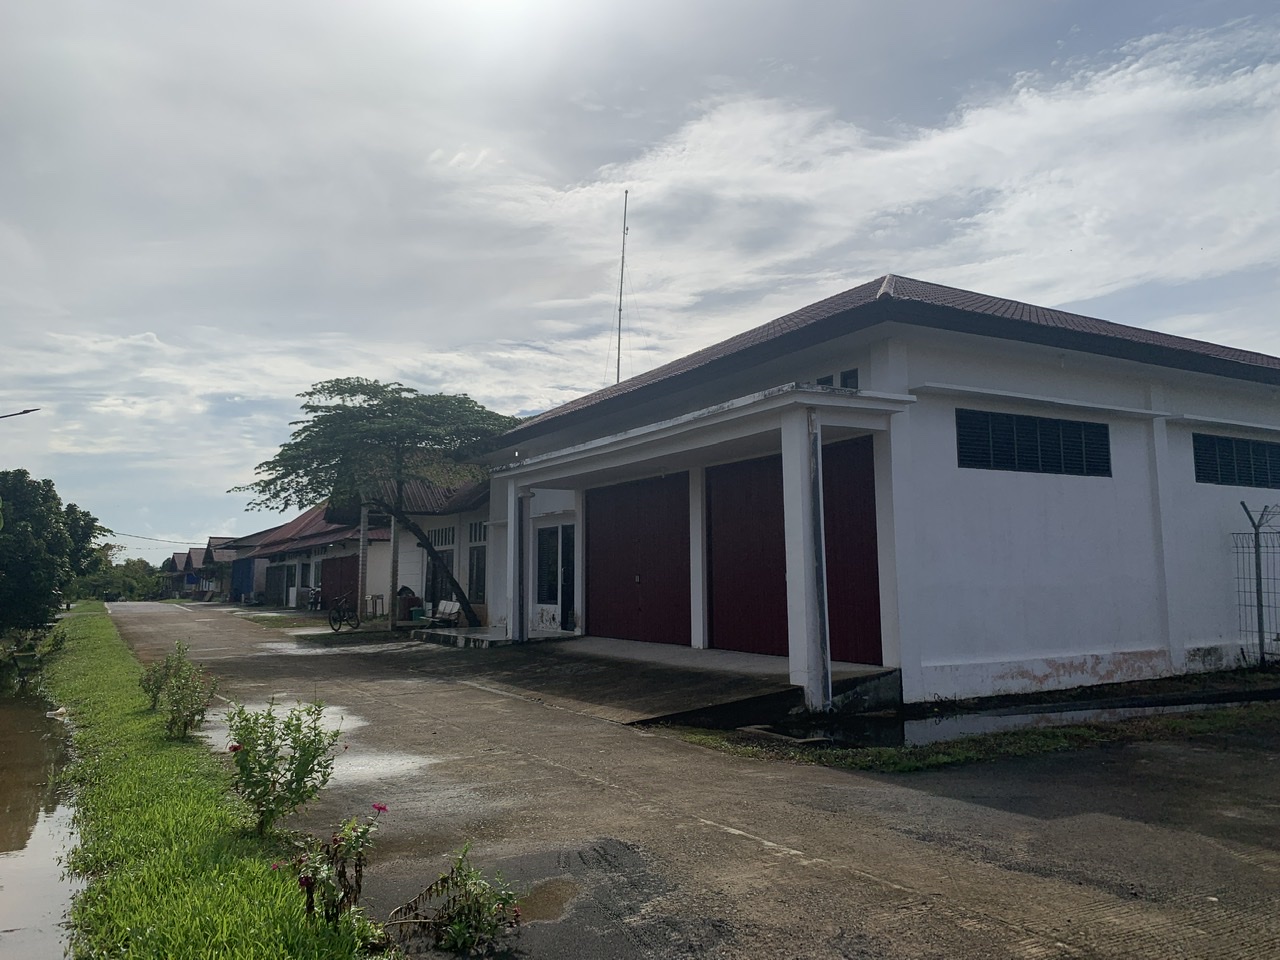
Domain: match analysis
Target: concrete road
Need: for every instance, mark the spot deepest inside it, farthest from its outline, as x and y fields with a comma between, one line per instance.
x=635, y=844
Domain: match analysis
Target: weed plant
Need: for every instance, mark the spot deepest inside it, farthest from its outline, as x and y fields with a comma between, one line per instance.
x=462, y=911
x=185, y=688
x=173, y=869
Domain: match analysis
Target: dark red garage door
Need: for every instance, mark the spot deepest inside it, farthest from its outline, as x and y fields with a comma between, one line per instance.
x=637, y=551
x=853, y=574
x=340, y=576
x=746, y=557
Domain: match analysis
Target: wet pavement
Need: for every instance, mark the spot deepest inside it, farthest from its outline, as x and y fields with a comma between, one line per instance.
x=635, y=844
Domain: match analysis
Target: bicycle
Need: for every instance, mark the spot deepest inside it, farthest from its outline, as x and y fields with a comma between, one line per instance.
x=341, y=612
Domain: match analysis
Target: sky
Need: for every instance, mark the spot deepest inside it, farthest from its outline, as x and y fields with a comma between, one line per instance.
x=206, y=208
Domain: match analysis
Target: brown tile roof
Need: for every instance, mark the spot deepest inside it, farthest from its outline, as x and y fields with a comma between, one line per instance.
x=429, y=498
x=473, y=496
x=904, y=300
x=308, y=529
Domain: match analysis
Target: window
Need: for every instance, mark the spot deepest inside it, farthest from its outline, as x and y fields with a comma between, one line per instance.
x=849, y=379
x=1235, y=462
x=827, y=381
x=438, y=585
x=1006, y=441
x=475, y=573
x=549, y=565
x=477, y=531
x=440, y=536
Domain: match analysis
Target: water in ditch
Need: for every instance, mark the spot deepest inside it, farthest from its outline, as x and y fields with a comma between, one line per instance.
x=35, y=830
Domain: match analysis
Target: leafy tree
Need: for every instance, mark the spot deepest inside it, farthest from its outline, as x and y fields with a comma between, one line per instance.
x=43, y=547
x=364, y=439
x=131, y=579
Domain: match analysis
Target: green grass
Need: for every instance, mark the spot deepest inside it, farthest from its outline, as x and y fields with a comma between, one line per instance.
x=1256, y=720
x=173, y=868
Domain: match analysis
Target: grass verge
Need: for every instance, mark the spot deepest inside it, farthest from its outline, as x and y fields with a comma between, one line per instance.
x=172, y=867
x=1255, y=721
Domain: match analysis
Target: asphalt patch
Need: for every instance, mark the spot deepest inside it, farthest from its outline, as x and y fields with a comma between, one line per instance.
x=605, y=899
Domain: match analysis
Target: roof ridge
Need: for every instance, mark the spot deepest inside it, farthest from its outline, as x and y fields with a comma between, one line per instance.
x=886, y=287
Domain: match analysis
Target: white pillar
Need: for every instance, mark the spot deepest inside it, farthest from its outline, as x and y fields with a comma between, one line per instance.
x=901, y=592
x=807, y=639
x=1162, y=521
x=698, y=638
x=362, y=585
x=515, y=577
x=393, y=598
x=580, y=562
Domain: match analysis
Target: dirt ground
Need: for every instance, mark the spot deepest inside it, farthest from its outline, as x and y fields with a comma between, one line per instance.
x=635, y=844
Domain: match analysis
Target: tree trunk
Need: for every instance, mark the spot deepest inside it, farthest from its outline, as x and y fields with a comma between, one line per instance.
x=473, y=620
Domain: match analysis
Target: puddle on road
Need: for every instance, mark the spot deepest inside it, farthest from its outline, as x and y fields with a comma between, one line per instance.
x=35, y=831
x=548, y=900
x=867, y=731
x=290, y=646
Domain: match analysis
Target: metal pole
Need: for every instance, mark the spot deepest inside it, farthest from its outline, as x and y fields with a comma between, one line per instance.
x=622, y=272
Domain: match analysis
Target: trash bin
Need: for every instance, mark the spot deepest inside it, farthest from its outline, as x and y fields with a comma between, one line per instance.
x=418, y=613
x=406, y=604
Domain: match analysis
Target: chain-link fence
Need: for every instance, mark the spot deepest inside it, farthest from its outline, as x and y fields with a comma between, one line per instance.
x=1258, y=598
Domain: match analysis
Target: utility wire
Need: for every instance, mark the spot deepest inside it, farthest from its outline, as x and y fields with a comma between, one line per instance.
x=134, y=536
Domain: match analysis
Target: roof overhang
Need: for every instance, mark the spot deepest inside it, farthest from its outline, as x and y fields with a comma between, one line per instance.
x=738, y=429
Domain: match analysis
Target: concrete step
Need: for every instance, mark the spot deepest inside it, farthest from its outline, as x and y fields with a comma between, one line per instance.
x=880, y=691
x=453, y=638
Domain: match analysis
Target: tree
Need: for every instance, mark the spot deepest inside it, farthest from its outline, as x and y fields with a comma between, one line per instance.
x=132, y=579
x=364, y=439
x=43, y=547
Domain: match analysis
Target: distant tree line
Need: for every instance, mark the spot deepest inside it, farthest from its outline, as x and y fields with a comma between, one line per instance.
x=51, y=553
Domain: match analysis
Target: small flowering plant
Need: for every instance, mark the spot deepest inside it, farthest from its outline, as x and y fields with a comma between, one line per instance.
x=331, y=874
x=281, y=762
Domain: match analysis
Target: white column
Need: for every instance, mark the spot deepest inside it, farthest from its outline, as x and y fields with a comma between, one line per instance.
x=807, y=640
x=517, y=625
x=901, y=592
x=886, y=547
x=580, y=562
x=362, y=585
x=1162, y=510
x=393, y=599
x=698, y=558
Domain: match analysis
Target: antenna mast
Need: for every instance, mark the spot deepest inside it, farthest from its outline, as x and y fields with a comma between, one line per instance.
x=622, y=272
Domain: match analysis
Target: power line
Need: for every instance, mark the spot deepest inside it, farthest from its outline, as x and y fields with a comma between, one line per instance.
x=156, y=539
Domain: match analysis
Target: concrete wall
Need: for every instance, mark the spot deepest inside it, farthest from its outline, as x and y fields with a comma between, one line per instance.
x=999, y=581
x=1023, y=581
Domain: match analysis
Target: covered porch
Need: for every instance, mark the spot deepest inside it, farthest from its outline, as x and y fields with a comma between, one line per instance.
x=669, y=501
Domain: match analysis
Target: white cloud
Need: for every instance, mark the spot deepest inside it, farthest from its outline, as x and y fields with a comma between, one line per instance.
x=1164, y=166
x=192, y=245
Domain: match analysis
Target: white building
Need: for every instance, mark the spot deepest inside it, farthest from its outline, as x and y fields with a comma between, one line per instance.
x=990, y=496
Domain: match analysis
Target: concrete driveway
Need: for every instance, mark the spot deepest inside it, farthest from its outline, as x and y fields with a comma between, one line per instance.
x=635, y=844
